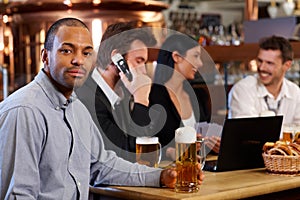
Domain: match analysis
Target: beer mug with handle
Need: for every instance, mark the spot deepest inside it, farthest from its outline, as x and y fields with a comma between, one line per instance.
x=201, y=149
x=186, y=159
x=148, y=151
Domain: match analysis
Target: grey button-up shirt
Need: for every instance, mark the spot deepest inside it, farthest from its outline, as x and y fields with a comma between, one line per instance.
x=51, y=149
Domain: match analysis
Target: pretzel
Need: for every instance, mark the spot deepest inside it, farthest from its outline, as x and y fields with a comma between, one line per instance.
x=285, y=148
x=297, y=141
x=276, y=151
x=280, y=143
x=295, y=147
x=297, y=138
x=267, y=146
x=294, y=152
x=282, y=148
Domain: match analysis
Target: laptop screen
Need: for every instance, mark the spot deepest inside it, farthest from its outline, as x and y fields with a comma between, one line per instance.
x=242, y=141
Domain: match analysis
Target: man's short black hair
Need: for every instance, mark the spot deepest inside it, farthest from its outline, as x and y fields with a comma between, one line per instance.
x=69, y=21
x=278, y=43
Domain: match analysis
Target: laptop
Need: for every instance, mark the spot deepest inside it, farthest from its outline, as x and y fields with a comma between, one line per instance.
x=242, y=141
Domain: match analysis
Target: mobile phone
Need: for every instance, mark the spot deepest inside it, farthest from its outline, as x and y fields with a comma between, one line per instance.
x=122, y=65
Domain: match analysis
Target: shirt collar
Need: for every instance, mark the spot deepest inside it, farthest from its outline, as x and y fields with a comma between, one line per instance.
x=109, y=93
x=284, y=92
x=57, y=99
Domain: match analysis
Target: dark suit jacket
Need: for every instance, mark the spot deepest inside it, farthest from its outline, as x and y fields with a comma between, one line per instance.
x=160, y=96
x=119, y=126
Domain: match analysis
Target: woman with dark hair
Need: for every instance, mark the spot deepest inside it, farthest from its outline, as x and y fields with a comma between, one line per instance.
x=178, y=62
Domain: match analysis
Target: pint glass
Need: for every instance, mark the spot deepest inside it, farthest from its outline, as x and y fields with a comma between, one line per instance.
x=148, y=151
x=186, y=160
x=201, y=151
x=288, y=133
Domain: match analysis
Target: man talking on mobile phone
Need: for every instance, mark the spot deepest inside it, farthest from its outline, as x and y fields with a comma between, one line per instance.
x=120, y=106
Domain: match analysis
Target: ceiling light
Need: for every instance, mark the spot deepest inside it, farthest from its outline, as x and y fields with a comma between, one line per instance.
x=5, y=18
x=68, y=2
x=96, y=2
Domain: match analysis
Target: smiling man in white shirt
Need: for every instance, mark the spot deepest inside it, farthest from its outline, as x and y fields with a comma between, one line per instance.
x=269, y=91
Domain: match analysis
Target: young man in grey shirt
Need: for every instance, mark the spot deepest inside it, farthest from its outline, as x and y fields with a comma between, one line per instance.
x=49, y=146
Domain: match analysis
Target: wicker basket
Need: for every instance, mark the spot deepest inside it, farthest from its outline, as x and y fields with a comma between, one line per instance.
x=282, y=164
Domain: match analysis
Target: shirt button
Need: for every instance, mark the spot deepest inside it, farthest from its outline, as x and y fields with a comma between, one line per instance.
x=57, y=108
x=78, y=184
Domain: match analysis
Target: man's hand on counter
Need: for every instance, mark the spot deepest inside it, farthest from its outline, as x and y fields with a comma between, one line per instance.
x=168, y=176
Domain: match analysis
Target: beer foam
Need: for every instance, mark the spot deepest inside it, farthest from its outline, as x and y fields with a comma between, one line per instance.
x=147, y=140
x=185, y=134
x=267, y=113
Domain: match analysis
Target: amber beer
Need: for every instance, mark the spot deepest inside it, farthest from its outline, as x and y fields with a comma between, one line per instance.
x=148, y=151
x=288, y=137
x=288, y=133
x=186, y=160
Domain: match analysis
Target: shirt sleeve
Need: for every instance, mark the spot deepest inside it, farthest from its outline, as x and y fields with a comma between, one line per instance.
x=241, y=102
x=296, y=101
x=21, y=144
x=108, y=169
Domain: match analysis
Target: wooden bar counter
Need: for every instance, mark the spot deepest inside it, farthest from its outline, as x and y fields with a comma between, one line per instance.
x=217, y=185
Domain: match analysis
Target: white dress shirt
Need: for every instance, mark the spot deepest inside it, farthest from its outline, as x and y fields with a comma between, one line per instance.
x=109, y=93
x=247, y=99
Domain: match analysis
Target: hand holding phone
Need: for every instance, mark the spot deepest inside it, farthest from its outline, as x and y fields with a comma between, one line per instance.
x=122, y=65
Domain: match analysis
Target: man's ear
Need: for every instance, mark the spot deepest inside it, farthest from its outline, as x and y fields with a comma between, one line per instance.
x=287, y=65
x=44, y=56
x=114, y=52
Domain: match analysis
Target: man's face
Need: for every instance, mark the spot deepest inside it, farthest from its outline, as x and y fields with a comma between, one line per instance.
x=271, y=70
x=71, y=58
x=137, y=56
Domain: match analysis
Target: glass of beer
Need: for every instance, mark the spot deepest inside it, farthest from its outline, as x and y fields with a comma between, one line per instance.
x=288, y=133
x=297, y=133
x=148, y=151
x=186, y=160
x=201, y=151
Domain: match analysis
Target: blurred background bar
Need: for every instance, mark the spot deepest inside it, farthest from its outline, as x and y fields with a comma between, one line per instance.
x=227, y=29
